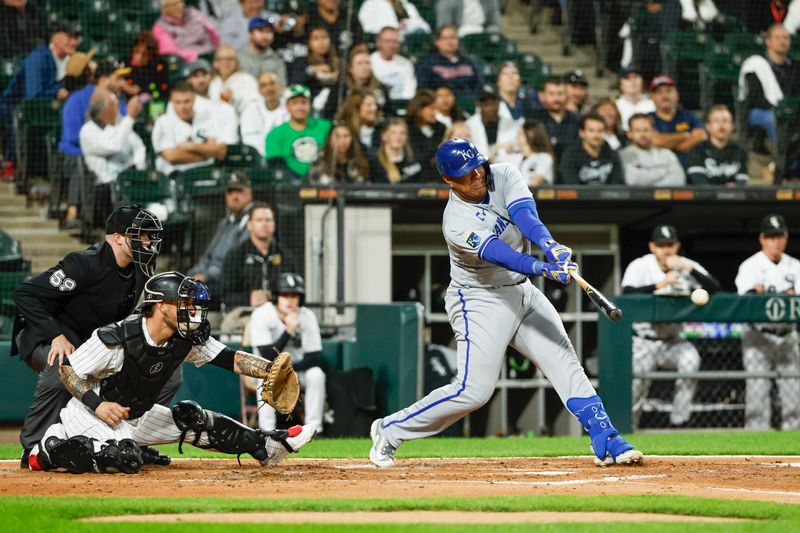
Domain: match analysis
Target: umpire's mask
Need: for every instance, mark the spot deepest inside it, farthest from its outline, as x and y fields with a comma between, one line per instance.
x=144, y=229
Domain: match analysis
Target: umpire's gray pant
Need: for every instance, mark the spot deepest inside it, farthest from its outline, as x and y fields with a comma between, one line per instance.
x=50, y=396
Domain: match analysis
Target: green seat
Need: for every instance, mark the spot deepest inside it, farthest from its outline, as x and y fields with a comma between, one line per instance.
x=416, y=46
x=11, y=259
x=202, y=180
x=70, y=9
x=143, y=187
x=718, y=75
x=242, y=156
x=532, y=70
x=684, y=45
x=177, y=68
x=8, y=282
x=786, y=108
x=33, y=119
x=489, y=47
x=743, y=45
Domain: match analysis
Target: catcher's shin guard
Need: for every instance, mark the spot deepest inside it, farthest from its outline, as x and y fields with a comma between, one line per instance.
x=224, y=433
x=79, y=455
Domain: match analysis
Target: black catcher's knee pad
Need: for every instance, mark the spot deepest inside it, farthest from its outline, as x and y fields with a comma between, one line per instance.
x=80, y=454
x=119, y=456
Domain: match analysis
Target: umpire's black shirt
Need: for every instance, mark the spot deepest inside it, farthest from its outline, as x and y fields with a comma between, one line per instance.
x=84, y=291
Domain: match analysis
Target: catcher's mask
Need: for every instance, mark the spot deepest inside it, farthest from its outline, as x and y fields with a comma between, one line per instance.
x=144, y=229
x=191, y=298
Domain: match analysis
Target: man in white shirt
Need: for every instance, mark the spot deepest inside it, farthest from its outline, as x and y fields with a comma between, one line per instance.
x=632, y=98
x=489, y=129
x=392, y=69
x=645, y=164
x=186, y=137
x=260, y=117
x=771, y=346
x=199, y=80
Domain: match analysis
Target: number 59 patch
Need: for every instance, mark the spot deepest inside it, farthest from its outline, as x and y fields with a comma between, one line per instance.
x=60, y=281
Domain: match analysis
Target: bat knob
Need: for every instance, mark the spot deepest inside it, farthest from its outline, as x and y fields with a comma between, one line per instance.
x=615, y=315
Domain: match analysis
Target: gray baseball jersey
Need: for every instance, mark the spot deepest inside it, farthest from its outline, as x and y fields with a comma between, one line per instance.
x=490, y=308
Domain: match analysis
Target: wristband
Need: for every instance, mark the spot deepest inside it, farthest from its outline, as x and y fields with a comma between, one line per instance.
x=91, y=400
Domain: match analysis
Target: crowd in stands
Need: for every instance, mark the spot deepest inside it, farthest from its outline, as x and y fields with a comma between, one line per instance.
x=325, y=95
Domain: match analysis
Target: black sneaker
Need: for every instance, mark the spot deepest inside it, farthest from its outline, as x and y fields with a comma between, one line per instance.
x=23, y=461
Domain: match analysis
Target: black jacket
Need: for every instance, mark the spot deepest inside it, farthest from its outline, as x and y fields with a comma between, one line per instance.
x=245, y=269
x=84, y=291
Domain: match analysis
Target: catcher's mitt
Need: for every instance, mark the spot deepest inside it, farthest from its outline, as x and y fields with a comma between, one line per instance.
x=281, y=388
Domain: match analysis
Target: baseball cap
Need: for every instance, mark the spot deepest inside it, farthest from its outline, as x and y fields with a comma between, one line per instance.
x=65, y=26
x=661, y=79
x=77, y=62
x=630, y=69
x=487, y=93
x=297, y=89
x=121, y=219
x=200, y=64
x=664, y=234
x=237, y=181
x=576, y=77
x=258, y=22
x=773, y=225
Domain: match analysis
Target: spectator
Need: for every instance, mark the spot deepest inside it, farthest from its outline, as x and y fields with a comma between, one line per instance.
x=513, y=97
x=771, y=347
x=251, y=268
x=298, y=141
x=38, y=77
x=759, y=16
x=394, y=161
x=424, y=131
x=328, y=15
x=678, y=129
x=232, y=230
x=341, y=160
x=718, y=161
x=187, y=138
x=360, y=112
x=233, y=29
x=577, y=93
x=401, y=15
x=469, y=16
x=359, y=75
x=645, y=164
x=390, y=68
x=257, y=55
x=562, y=125
x=230, y=83
x=447, y=110
x=489, y=130
x=592, y=162
x=199, y=81
x=763, y=82
x=109, y=146
x=615, y=136
x=184, y=31
x=319, y=71
x=218, y=10
x=149, y=73
x=632, y=98
x=659, y=344
x=108, y=76
x=535, y=158
x=448, y=67
x=288, y=325
x=459, y=130
x=22, y=27
x=260, y=117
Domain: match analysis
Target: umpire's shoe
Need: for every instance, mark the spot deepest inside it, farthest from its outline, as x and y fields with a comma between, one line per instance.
x=382, y=452
x=23, y=461
x=619, y=452
x=277, y=450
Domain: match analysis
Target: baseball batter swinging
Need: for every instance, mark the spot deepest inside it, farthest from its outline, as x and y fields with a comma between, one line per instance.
x=489, y=222
x=116, y=375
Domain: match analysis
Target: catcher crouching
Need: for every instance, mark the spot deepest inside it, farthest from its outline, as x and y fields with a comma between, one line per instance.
x=116, y=375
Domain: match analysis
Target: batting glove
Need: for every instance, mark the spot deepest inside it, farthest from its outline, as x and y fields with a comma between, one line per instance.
x=555, y=252
x=558, y=272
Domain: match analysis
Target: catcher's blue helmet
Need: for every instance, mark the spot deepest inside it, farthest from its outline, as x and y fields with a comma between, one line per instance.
x=457, y=158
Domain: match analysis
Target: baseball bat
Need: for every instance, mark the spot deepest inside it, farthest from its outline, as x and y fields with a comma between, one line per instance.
x=608, y=308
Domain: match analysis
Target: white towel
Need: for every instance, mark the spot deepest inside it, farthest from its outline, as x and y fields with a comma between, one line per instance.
x=706, y=10
x=763, y=71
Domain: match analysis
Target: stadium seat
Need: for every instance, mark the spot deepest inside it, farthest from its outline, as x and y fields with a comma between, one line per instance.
x=532, y=70
x=244, y=157
x=489, y=47
x=8, y=66
x=202, y=180
x=743, y=45
x=33, y=118
x=144, y=187
x=11, y=259
x=718, y=75
x=416, y=46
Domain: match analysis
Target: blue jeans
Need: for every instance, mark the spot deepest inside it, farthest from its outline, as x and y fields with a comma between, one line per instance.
x=764, y=118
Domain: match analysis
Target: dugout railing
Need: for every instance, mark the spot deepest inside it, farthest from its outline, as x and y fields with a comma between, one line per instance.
x=615, y=349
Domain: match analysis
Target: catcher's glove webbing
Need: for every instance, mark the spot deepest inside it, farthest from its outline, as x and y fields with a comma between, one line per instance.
x=281, y=388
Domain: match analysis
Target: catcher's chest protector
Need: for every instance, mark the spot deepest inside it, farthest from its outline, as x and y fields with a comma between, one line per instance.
x=146, y=368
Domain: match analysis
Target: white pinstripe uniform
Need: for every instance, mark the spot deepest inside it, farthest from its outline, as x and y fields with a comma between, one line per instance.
x=770, y=346
x=94, y=361
x=658, y=344
x=266, y=327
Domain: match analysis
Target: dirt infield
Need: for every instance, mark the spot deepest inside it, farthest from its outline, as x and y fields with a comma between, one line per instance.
x=754, y=478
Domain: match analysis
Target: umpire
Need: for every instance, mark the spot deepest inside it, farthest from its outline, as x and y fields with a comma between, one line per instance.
x=60, y=308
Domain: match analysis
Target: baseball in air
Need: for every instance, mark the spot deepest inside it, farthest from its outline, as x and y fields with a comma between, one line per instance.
x=700, y=297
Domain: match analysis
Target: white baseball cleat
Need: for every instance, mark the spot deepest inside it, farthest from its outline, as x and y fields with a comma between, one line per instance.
x=382, y=453
x=619, y=452
x=277, y=450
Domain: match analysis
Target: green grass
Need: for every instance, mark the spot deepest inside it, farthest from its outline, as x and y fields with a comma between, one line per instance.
x=60, y=513
x=688, y=443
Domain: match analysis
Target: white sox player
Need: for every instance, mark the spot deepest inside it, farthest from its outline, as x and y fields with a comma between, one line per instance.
x=771, y=346
x=488, y=223
x=658, y=344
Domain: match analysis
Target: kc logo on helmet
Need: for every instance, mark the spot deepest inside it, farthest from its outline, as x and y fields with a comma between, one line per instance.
x=468, y=154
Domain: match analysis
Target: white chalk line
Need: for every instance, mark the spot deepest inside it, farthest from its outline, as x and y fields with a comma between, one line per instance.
x=605, y=479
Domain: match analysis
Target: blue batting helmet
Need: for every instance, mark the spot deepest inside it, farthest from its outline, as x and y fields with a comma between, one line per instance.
x=458, y=157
